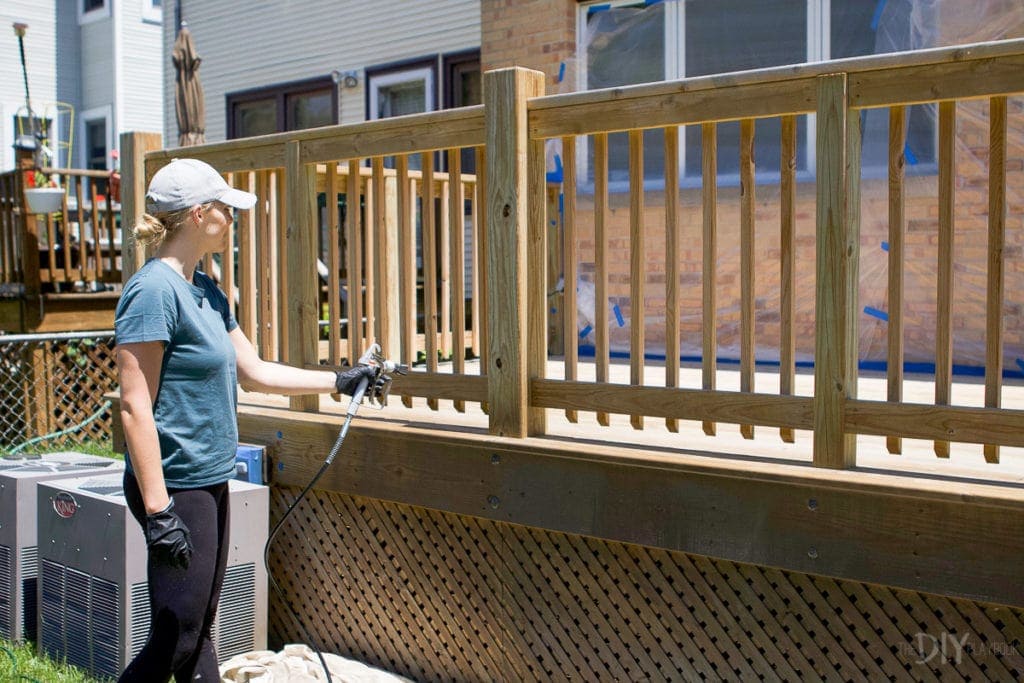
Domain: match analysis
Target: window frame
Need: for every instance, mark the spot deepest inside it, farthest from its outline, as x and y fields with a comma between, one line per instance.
x=152, y=13
x=401, y=72
x=454, y=62
x=818, y=28
x=95, y=14
x=279, y=92
x=90, y=116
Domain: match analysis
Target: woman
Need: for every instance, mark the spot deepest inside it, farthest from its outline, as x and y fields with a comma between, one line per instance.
x=179, y=355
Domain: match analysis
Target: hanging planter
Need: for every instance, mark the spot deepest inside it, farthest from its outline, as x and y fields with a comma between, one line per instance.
x=44, y=199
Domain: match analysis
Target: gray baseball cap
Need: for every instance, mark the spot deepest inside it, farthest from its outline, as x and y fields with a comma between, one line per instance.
x=184, y=183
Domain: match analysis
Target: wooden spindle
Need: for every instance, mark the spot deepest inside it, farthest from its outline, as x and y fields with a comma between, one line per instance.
x=638, y=270
x=429, y=241
x=747, y=193
x=407, y=265
x=354, y=270
x=787, y=254
x=333, y=266
x=709, y=197
x=456, y=212
x=897, y=228
x=996, y=243
x=570, y=260
x=944, y=268
x=601, y=345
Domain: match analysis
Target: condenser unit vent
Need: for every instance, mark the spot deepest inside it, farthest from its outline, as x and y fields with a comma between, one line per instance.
x=18, y=579
x=87, y=537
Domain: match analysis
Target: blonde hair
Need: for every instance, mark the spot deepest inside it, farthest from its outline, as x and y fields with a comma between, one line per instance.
x=157, y=227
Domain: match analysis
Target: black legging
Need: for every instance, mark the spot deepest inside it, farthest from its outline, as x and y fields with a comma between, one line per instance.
x=183, y=602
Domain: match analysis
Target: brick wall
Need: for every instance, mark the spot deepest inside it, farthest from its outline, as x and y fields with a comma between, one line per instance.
x=536, y=34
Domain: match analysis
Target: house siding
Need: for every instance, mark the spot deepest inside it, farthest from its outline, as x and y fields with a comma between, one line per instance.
x=97, y=64
x=40, y=58
x=141, y=71
x=322, y=38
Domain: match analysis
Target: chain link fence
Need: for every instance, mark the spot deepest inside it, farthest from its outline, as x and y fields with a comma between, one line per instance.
x=52, y=391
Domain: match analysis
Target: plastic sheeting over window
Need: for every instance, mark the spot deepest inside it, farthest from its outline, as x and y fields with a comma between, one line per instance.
x=622, y=43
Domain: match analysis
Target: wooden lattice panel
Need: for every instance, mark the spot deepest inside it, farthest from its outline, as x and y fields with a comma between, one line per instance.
x=438, y=596
x=56, y=385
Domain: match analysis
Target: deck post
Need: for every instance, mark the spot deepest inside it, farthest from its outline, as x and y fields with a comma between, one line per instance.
x=508, y=369
x=29, y=239
x=835, y=346
x=133, y=195
x=300, y=269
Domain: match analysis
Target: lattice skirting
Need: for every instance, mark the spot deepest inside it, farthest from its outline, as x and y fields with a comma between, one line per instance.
x=438, y=597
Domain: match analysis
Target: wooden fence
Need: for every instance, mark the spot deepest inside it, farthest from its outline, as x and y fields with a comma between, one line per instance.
x=393, y=167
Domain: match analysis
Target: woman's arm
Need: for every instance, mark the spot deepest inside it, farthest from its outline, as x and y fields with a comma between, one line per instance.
x=255, y=374
x=138, y=366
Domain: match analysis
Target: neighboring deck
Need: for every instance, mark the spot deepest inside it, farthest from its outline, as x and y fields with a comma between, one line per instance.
x=59, y=271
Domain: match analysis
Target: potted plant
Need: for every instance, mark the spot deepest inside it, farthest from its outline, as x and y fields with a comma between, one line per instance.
x=42, y=193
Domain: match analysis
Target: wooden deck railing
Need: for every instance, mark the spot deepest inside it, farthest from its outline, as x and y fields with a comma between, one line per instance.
x=371, y=255
x=74, y=249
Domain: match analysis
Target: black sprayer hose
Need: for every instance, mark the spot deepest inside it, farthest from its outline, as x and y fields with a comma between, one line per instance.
x=353, y=407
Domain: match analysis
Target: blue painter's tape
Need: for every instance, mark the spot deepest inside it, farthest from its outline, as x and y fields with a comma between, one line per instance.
x=561, y=204
x=594, y=9
x=1020, y=364
x=648, y=3
x=885, y=246
x=618, y=315
x=909, y=154
x=554, y=311
x=881, y=315
x=556, y=175
x=561, y=72
x=877, y=16
x=585, y=331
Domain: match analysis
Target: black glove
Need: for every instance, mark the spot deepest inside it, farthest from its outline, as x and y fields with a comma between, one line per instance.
x=168, y=539
x=347, y=381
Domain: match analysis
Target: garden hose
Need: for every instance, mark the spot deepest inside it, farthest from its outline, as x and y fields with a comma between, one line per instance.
x=63, y=432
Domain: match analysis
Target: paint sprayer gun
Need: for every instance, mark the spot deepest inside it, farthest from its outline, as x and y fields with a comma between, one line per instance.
x=378, y=391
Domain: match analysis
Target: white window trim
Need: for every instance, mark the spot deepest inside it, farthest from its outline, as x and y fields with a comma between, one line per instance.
x=104, y=113
x=93, y=15
x=425, y=74
x=151, y=13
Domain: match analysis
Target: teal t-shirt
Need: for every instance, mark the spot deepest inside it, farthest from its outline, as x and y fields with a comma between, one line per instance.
x=195, y=406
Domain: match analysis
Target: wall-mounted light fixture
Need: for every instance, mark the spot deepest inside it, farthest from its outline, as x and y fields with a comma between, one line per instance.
x=348, y=79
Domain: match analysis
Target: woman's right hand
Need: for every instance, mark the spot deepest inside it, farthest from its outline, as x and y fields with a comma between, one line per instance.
x=168, y=538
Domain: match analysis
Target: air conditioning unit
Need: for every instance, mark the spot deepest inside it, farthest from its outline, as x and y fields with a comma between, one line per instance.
x=93, y=600
x=18, y=556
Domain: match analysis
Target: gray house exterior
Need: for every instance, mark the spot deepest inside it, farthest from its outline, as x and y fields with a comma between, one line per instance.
x=94, y=70
x=278, y=66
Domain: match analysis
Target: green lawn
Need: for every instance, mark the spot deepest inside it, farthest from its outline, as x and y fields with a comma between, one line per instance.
x=19, y=663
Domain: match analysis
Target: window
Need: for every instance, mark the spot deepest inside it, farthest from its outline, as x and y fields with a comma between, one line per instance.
x=93, y=10
x=463, y=87
x=93, y=151
x=289, y=106
x=96, y=144
x=628, y=42
x=152, y=11
x=399, y=89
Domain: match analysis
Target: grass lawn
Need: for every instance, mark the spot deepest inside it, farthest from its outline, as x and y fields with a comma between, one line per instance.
x=20, y=663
